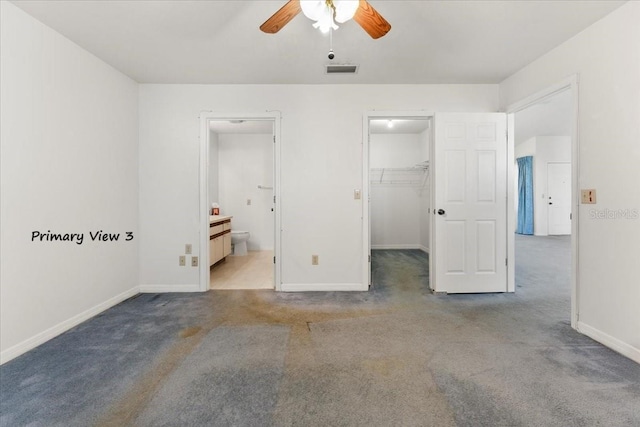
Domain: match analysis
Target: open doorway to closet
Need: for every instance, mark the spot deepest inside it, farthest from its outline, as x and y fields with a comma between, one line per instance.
x=544, y=199
x=399, y=200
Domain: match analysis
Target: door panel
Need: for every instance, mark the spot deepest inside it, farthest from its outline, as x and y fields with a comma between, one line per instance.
x=485, y=232
x=559, y=189
x=470, y=202
x=456, y=246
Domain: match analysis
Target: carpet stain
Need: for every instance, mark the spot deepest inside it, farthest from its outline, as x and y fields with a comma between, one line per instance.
x=129, y=407
x=131, y=404
x=189, y=332
x=383, y=367
x=234, y=308
x=259, y=307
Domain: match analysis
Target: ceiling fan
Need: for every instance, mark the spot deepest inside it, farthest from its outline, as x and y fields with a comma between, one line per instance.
x=327, y=12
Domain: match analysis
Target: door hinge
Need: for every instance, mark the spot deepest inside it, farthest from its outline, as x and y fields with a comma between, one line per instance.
x=570, y=216
x=274, y=199
x=369, y=258
x=274, y=139
x=506, y=261
x=274, y=260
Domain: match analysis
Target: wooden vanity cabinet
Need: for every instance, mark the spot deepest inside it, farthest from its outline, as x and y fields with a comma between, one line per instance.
x=219, y=239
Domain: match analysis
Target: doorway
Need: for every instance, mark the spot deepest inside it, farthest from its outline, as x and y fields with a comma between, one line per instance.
x=397, y=189
x=239, y=192
x=544, y=130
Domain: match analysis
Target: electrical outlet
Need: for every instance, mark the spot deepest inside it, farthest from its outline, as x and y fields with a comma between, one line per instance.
x=314, y=259
x=182, y=261
x=187, y=249
x=194, y=261
x=588, y=197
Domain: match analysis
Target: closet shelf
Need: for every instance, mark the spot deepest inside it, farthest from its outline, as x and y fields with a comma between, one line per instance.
x=412, y=175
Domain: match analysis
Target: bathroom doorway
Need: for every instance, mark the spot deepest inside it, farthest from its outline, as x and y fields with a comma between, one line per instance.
x=241, y=209
x=399, y=195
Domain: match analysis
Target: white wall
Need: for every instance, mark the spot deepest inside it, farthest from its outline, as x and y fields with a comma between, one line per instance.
x=396, y=208
x=69, y=164
x=321, y=167
x=545, y=150
x=246, y=161
x=606, y=57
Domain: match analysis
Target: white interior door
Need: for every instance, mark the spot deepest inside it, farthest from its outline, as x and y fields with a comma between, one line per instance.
x=559, y=192
x=470, y=186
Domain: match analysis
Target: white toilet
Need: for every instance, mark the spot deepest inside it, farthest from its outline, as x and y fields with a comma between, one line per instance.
x=239, y=242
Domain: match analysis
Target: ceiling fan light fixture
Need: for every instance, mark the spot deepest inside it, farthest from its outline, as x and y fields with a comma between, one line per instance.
x=345, y=9
x=325, y=21
x=323, y=12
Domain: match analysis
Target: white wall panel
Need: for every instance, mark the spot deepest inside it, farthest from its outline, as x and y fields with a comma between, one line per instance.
x=70, y=165
x=321, y=167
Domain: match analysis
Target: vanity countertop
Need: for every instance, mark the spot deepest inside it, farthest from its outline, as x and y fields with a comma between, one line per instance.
x=214, y=219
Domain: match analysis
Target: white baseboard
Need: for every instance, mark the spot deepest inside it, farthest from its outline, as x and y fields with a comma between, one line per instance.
x=54, y=331
x=401, y=246
x=611, y=342
x=323, y=287
x=397, y=246
x=158, y=289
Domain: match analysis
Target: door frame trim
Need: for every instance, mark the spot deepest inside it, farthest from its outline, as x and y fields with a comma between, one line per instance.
x=205, y=117
x=366, y=218
x=569, y=83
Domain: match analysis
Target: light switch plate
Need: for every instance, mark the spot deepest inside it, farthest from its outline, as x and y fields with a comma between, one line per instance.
x=357, y=195
x=588, y=196
x=182, y=261
x=194, y=261
x=187, y=249
x=314, y=259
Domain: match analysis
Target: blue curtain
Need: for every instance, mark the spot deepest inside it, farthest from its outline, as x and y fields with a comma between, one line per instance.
x=525, y=195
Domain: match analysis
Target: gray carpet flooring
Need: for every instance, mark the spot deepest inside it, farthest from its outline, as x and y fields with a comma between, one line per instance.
x=395, y=356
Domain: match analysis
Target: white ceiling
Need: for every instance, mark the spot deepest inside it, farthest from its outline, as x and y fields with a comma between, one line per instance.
x=552, y=117
x=218, y=41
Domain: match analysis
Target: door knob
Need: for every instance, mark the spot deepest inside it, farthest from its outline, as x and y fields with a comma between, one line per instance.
x=550, y=203
x=440, y=211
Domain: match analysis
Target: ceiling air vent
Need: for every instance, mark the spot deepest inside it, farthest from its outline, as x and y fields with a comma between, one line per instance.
x=342, y=69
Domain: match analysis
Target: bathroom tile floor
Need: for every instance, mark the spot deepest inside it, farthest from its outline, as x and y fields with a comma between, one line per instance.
x=254, y=271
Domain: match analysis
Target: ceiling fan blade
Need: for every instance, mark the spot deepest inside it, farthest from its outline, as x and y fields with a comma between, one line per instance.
x=371, y=21
x=281, y=17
